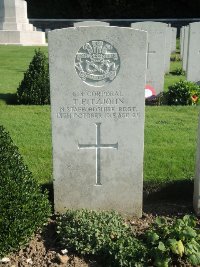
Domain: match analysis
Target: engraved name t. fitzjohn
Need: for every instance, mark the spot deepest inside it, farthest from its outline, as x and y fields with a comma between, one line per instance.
x=97, y=63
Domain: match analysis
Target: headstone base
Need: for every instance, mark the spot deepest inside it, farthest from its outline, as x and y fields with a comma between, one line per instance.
x=22, y=38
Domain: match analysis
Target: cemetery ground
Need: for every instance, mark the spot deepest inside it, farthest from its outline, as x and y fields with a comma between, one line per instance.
x=169, y=158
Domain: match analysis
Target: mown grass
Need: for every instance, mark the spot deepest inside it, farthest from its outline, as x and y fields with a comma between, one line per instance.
x=29, y=126
x=170, y=142
x=14, y=61
x=170, y=132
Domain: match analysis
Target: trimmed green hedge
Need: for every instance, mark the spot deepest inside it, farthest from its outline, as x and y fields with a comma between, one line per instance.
x=23, y=207
x=35, y=86
x=79, y=9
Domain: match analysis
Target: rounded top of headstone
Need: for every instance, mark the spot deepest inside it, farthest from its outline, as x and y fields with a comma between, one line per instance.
x=91, y=23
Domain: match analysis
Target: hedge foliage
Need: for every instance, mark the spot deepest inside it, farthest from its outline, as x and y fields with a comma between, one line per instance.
x=167, y=242
x=70, y=9
x=23, y=207
x=103, y=234
x=35, y=86
x=183, y=93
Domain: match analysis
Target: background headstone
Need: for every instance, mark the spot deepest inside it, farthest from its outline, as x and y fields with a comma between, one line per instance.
x=168, y=47
x=185, y=48
x=196, y=196
x=173, y=41
x=91, y=23
x=155, y=53
x=14, y=25
x=97, y=77
x=181, y=41
x=193, y=58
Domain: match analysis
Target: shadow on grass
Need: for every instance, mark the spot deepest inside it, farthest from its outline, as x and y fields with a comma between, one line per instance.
x=10, y=99
x=170, y=199
x=172, y=191
x=177, y=72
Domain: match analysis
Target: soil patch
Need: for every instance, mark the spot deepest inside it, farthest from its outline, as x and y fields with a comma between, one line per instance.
x=44, y=250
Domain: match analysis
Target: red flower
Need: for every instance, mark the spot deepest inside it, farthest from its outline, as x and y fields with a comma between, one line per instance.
x=194, y=99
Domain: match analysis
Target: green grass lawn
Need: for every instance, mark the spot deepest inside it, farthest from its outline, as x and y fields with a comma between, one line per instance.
x=170, y=132
x=14, y=60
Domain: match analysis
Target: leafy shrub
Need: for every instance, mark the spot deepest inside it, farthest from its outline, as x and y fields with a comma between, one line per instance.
x=168, y=241
x=23, y=207
x=102, y=234
x=157, y=100
x=178, y=72
x=183, y=93
x=35, y=86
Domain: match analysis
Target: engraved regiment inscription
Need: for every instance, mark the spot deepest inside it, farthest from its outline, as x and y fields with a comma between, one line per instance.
x=98, y=146
x=97, y=107
x=97, y=63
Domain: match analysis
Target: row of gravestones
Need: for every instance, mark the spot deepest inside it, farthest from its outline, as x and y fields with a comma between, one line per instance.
x=161, y=43
x=190, y=51
x=97, y=76
x=16, y=29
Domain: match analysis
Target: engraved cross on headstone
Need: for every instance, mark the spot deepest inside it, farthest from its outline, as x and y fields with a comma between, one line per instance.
x=98, y=146
x=148, y=53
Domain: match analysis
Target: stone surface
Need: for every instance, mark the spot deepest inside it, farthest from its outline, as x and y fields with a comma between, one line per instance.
x=13, y=15
x=155, y=54
x=196, y=196
x=91, y=23
x=185, y=48
x=14, y=25
x=63, y=259
x=97, y=109
x=168, y=47
x=173, y=41
x=193, y=60
x=181, y=41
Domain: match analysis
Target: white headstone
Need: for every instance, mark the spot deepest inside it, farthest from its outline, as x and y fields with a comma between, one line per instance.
x=14, y=25
x=155, y=54
x=181, y=41
x=91, y=23
x=97, y=77
x=185, y=48
x=173, y=40
x=168, y=47
x=193, y=60
x=196, y=196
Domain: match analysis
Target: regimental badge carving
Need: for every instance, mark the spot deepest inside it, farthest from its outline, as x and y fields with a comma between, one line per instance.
x=97, y=63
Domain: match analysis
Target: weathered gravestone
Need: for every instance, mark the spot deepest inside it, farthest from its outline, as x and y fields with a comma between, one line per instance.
x=97, y=104
x=181, y=40
x=185, y=48
x=14, y=25
x=196, y=196
x=173, y=40
x=193, y=58
x=168, y=47
x=91, y=23
x=155, y=53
